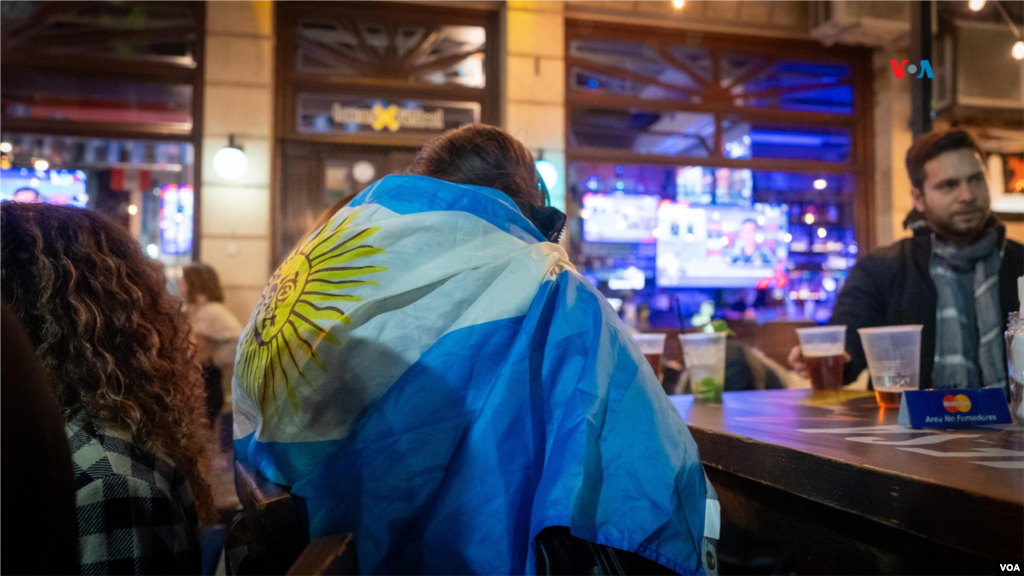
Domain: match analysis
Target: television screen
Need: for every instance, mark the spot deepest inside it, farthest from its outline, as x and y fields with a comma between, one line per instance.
x=720, y=247
x=61, y=187
x=176, y=212
x=628, y=218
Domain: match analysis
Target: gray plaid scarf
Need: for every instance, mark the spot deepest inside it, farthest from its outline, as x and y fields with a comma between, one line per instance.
x=952, y=368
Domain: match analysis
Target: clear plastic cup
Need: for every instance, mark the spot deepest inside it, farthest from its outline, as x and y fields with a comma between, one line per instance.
x=652, y=346
x=824, y=351
x=704, y=355
x=894, y=361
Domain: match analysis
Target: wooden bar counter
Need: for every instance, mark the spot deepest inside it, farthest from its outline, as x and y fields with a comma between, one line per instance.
x=831, y=479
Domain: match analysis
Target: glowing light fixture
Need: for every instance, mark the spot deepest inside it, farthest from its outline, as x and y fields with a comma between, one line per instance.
x=230, y=162
x=809, y=218
x=133, y=209
x=678, y=4
x=548, y=172
x=6, y=147
x=40, y=164
x=976, y=5
x=1018, y=50
x=820, y=184
x=822, y=233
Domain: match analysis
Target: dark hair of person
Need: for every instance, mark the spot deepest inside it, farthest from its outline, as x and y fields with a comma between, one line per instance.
x=202, y=280
x=933, y=144
x=114, y=344
x=481, y=155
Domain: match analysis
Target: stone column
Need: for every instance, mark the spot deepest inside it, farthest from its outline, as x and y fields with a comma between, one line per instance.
x=533, y=94
x=239, y=100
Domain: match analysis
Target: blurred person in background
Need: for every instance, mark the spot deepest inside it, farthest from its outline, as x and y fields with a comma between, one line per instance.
x=115, y=348
x=215, y=331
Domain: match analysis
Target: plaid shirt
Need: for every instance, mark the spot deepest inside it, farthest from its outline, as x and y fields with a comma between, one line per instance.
x=136, y=513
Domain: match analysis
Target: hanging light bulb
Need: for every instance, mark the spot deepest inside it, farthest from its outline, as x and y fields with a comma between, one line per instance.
x=40, y=164
x=1018, y=50
x=976, y=5
x=678, y=4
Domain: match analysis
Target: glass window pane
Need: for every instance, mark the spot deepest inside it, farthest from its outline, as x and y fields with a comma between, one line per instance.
x=78, y=99
x=153, y=31
x=146, y=185
x=756, y=82
x=617, y=226
x=753, y=139
x=635, y=69
x=411, y=52
x=643, y=131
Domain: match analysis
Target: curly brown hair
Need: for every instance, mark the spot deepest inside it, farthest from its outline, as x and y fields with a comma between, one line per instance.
x=114, y=343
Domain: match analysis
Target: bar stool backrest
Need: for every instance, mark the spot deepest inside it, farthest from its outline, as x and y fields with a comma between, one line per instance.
x=267, y=536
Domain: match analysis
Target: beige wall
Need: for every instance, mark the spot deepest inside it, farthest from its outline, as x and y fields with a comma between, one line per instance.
x=533, y=82
x=893, y=137
x=779, y=18
x=238, y=99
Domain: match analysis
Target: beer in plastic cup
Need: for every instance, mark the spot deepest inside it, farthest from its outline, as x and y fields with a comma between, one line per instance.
x=823, y=349
x=704, y=355
x=894, y=361
x=652, y=346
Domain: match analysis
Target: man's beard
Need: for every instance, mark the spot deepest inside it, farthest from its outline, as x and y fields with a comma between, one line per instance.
x=948, y=230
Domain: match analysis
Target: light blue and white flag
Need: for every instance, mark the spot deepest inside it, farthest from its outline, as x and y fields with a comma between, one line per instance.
x=427, y=373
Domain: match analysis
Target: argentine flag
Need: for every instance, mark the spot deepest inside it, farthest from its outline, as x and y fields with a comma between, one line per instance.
x=427, y=373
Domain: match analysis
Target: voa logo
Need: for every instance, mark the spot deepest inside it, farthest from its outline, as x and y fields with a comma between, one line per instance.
x=901, y=66
x=1010, y=567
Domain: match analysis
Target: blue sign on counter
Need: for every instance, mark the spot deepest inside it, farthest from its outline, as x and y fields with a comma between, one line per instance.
x=954, y=408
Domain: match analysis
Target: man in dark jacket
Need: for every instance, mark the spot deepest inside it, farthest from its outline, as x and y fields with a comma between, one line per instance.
x=957, y=275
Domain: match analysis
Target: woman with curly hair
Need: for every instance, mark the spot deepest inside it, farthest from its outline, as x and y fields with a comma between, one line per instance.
x=115, y=348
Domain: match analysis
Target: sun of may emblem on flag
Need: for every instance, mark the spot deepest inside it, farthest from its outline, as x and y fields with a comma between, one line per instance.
x=298, y=306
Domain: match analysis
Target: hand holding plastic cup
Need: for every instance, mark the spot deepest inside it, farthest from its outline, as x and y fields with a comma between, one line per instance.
x=704, y=355
x=894, y=361
x=824, y=351
x=652, y=346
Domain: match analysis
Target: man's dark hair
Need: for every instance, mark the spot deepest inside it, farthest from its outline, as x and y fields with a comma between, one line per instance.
x=932, y=144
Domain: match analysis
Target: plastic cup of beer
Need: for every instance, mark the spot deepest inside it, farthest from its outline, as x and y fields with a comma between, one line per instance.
x=652, y=346
x=824, y=349
x=704, y=355
x=894, y=361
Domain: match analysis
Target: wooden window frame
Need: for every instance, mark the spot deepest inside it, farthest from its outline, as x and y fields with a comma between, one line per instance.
x=860, y=122
x=168, y=72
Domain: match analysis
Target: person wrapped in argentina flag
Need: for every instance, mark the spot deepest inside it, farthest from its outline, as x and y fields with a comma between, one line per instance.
x=427, y=372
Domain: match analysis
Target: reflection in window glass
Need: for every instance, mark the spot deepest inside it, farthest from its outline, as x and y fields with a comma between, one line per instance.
x=414, y=53
x=789, y=84
x=78, y=99
x=643, y=132
x=628, y=68
x=753, y=139
x=150, y=31
x=145, y=185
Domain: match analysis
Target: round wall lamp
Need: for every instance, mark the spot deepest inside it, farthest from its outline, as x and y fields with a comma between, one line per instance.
x=230, y=162
x=547, y=171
